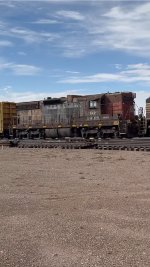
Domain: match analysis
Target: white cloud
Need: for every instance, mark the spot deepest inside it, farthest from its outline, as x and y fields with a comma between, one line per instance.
x=19, y=69
x=5, y=43
x=28, y=70
x=46, y=21
x=137, y=13
x=27, y=35
x=9, y=94
x=62, y=1
x=21, y=53
x=121, y=27
x=131, y=74
x=68, y=14
x=118, y=66
x=118, y=28
x=72, y=72
x=31, y=36
x=7, y=3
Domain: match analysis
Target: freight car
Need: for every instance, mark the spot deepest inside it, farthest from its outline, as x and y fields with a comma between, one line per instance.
x=7, y=118
x=148, y=115
x=100, y=115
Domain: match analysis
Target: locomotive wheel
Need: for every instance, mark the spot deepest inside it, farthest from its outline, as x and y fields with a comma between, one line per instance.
x=116, y=134
x=100, y=134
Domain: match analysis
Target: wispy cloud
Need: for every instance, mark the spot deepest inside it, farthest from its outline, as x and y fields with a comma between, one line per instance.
x=118, y=66
x=60, y=1
x=135, y=14
x=21, y=53
x=123, y=28
x=31, y=36
x=57, y=1
x=46, y=21
x=68, y=14
x=8, y=93
x=80, y=32
x=5, y=43
x=9, y=4
x=72, y=72
x=28, y=35
x=131, y=73
x=19, y=69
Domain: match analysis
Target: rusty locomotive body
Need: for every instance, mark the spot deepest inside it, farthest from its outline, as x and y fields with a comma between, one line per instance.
x=101, y=115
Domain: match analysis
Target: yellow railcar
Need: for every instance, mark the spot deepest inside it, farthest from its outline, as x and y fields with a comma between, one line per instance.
x=7, y=118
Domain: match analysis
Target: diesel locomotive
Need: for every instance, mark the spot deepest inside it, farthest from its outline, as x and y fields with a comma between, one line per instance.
x=100, y=116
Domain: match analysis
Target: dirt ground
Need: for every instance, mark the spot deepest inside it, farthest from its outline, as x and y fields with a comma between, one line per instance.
x=61, y=208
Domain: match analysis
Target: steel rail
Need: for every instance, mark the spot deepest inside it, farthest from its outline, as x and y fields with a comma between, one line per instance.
x=138, y=144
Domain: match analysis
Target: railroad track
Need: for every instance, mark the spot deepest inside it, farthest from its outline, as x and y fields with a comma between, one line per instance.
x=135, y=144
x=64, y=144
x=4, y=143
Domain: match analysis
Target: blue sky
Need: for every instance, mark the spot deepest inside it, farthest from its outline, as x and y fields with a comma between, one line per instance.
x=59, y=47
